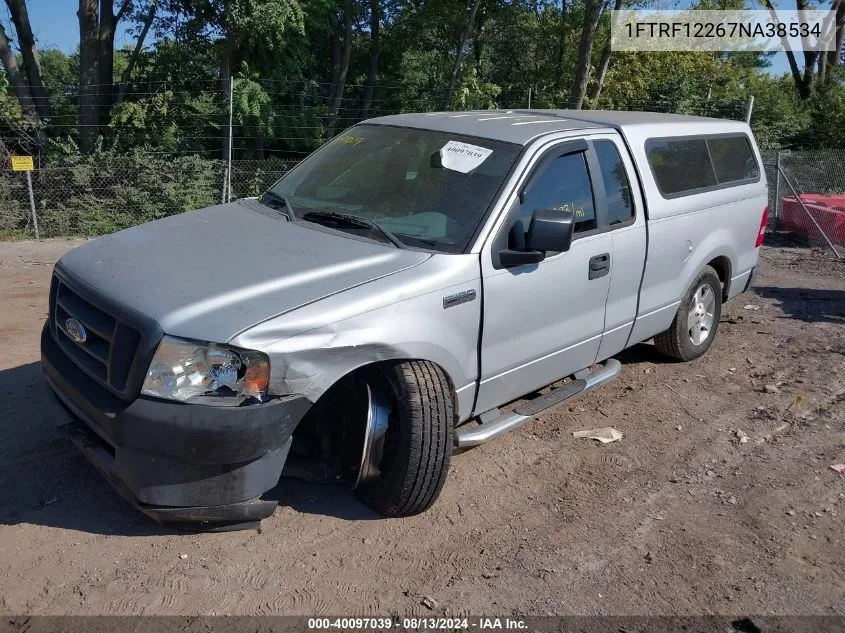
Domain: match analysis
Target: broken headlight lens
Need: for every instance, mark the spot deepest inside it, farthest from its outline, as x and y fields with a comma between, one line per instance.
x=183, y=370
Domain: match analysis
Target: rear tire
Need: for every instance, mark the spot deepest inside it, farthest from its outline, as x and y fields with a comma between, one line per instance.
x=694, y=327
x=418, y=445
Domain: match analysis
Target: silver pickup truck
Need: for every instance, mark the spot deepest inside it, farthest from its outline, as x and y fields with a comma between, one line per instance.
x=388, y=298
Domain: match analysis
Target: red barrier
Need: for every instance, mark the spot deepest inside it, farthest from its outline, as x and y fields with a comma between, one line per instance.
x=828, y=212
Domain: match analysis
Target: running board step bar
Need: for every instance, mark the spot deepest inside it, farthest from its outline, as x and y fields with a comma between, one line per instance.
x=473, y=434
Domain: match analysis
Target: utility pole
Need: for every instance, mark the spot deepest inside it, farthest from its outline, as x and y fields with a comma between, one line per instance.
x=227, y=172
x=231, y=138
x=749, y=109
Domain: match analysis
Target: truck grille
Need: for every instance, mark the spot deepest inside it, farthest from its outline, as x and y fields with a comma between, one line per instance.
x=110, y=344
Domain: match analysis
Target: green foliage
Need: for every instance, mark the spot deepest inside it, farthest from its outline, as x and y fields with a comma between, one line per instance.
x=161, y=144
x=103, y=193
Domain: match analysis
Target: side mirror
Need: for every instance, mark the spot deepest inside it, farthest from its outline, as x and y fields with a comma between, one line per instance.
x=511, y=258
x=550, y=230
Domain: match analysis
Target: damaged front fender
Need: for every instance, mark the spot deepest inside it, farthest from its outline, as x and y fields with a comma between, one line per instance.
x=400, y=317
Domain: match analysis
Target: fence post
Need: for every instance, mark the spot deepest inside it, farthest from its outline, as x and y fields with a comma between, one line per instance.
x=231, y=107
x=777, y=190
x=32, y=204
x=749, y=108
x=227, y=172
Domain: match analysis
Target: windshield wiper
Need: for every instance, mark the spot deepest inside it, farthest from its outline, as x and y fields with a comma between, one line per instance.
x=280, y=203
x=353, y=221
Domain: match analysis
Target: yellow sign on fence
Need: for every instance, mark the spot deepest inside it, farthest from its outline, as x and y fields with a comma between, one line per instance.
x=22, y=163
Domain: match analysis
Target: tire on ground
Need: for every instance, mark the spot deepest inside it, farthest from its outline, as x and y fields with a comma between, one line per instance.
x=675, y=342
x=420, y=434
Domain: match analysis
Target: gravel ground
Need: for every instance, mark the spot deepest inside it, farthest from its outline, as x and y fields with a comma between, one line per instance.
x=682, y=516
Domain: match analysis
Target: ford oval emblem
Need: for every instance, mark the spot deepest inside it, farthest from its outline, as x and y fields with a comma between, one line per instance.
x=75, y=330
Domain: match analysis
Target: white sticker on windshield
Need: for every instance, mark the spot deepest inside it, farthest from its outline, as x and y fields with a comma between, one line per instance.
x=463, y=157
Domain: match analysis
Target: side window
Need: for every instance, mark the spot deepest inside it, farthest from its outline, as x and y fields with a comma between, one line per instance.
x=680, y=165
x=732, y=159
x=617, y=189
x=684, y=166
x=563, y=184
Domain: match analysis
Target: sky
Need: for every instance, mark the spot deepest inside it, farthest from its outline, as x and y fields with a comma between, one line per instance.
x=55, y=25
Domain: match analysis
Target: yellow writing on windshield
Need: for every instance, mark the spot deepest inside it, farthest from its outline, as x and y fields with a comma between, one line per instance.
x=350, y=139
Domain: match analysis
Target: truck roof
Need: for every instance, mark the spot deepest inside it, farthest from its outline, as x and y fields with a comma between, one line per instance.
x=523, y=126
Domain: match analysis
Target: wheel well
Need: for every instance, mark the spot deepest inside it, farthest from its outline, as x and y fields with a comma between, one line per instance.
x=324, y=445
x=722, y=266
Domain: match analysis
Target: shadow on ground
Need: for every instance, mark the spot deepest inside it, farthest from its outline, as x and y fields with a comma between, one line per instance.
x=807, y=304
x=642, y=353
x=45, y=481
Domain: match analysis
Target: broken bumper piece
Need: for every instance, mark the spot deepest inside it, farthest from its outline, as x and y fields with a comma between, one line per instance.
x=193, y=466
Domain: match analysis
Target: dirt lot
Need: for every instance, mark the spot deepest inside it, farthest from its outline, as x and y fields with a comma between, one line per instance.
x=678, y=517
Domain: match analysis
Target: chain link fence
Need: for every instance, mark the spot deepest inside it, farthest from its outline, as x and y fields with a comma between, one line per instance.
x=95, y=196
x=807, y=196
x=99, y=194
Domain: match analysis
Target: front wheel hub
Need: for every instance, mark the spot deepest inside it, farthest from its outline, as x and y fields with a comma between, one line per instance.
x=701, y=317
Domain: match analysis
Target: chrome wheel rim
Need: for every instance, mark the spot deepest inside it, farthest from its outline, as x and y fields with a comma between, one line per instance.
x=702, y=310
x=378, y=414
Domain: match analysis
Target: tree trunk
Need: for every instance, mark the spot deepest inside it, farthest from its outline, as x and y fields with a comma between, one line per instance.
x=88, y=75
x=592, y=12
x=105, y=59
x=803, y=83
x=16, y=78
x=29, y=52
x=136, y=53
x=456, y=67
x=335, y=67
x=343, y=68
x=225, y=88
x=834, y=58
x=561, y=45
x=375, y=52
x=595, y=90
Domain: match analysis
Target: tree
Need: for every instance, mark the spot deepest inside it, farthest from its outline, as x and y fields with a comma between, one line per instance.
x=139, y=46
x=835, y=57
x=29, y=52
x=105, y=52
x=16, y=78
x=592, y=13
x=88, y=75
x=453, y=77
x=341, y=56
x=595, y=89
x=815, y=63
x=374, y=54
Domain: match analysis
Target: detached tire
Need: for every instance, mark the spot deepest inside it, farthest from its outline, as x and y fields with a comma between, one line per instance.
x=418, y=444
x=694, y=327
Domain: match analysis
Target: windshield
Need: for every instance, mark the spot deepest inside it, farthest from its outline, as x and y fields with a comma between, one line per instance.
x=428, y=189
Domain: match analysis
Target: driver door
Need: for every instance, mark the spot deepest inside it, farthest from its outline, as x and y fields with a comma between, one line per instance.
x=544, y=321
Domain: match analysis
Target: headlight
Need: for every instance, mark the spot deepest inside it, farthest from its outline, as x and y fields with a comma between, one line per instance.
x=183, y=369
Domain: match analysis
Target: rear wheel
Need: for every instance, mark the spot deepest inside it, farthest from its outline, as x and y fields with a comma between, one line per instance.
x=694, y=327
x=417, y=446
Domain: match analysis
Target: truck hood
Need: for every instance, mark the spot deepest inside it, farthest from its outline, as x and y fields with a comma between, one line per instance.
x=213, y=273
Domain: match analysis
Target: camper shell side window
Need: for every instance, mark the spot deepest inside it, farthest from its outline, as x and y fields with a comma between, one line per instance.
x=687, y=165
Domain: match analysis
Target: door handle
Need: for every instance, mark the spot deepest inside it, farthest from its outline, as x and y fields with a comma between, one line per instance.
x=599, y=266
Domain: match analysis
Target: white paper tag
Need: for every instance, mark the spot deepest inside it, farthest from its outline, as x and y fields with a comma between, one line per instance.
x=463, y=157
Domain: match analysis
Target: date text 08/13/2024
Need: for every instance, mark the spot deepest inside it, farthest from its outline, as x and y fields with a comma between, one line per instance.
x=417, y=624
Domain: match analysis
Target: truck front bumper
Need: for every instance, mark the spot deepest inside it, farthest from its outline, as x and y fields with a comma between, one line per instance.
x=197, y=466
